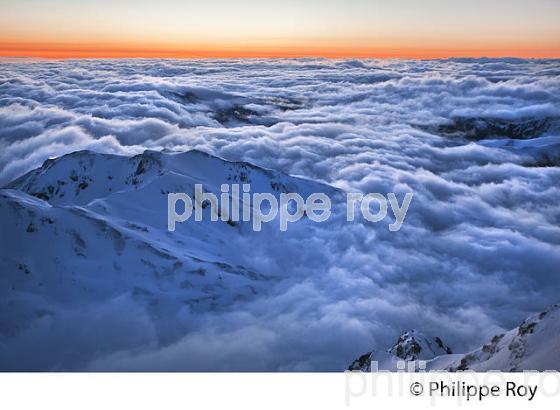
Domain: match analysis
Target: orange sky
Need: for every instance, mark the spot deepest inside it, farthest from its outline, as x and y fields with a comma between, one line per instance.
x=62, y=51
x=305, y=28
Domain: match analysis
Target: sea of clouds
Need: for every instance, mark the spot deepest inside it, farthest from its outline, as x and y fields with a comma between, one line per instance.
x=480, y=246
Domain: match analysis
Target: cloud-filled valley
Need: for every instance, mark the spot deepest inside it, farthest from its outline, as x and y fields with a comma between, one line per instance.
x=476, y=141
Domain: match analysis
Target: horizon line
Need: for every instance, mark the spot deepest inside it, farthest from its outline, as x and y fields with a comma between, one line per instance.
x=272, y=56
x=317, y=57
x=60, y=51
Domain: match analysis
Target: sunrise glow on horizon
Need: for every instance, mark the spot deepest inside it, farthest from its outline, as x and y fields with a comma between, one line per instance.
x=314, y=28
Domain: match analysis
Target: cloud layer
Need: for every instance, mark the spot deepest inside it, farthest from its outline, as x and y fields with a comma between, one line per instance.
x=480, y=247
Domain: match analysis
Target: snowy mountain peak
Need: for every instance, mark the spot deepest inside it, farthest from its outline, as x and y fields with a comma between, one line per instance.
x=413, y=345
x=79, y=177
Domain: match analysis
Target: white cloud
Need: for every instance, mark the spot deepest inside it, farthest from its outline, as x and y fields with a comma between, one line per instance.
x=480, y=244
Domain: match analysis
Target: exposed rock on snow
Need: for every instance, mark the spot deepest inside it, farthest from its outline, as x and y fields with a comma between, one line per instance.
x=410, y=346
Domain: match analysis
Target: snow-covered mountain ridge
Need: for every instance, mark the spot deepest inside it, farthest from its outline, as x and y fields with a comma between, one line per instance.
x=86, y=227
x=533, y=345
